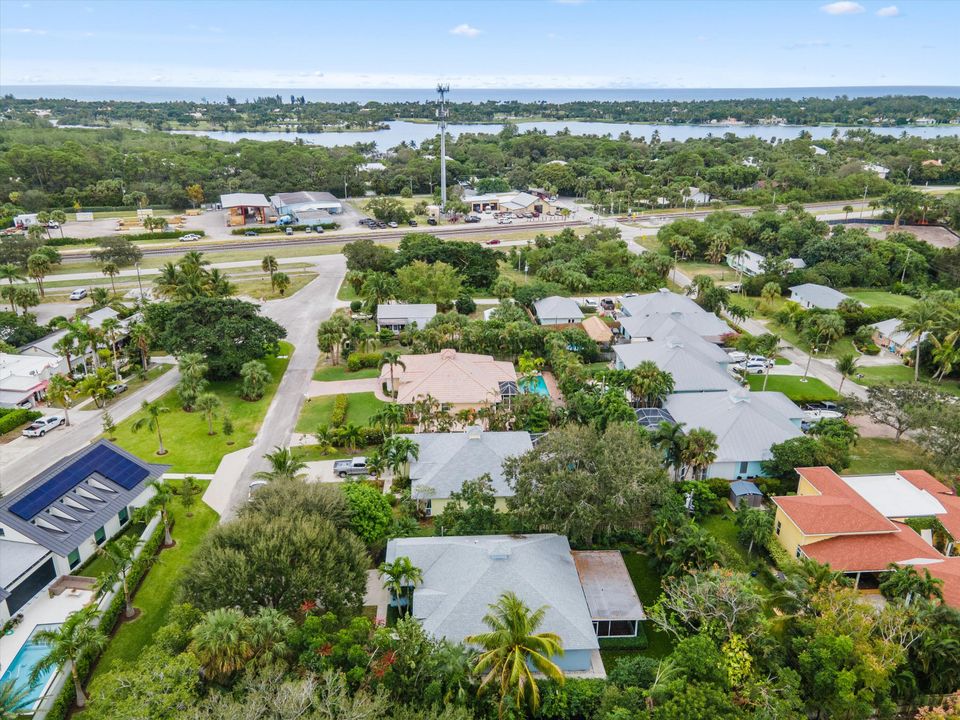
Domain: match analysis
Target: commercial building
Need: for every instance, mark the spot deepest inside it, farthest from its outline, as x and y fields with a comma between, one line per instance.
x=399, y=316
x=556, y=310
x=294, y=203
x=515, y=202
x=811, y=295
x=245, y=208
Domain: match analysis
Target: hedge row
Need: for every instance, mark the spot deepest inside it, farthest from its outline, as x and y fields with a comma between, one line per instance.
x=359, y=361
x=275, y=229
x=15, y=417
x=339, y=415
x=61, y=707
x=132, y=237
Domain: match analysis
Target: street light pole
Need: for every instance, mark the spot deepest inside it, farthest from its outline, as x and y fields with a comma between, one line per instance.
x=139, y=284
x=864, y=201
x=442, y=115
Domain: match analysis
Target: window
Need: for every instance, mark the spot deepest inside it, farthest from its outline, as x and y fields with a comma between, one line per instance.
x=74, y=558
x=100, y=535
x=743, y=467
x=778, y=527
x=798, y=551
x=123, y=516
x=1, y=532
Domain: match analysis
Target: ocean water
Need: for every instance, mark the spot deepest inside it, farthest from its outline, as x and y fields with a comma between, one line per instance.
x=552, y=95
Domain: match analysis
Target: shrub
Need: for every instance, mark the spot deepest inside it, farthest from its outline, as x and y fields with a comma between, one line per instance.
x=372, y=436
x=370, y=511
x=339, y=415
x=634, y=671
x=356, y=306
x=14, y=418
x=359, y=361
x=465, y=305
x=134, y=237
x=781, y=558
x=274, y=229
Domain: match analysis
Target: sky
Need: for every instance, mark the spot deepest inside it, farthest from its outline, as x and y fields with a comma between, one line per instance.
x=521, y=44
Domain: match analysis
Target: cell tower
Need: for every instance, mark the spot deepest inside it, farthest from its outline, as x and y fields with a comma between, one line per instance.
x=442, y=117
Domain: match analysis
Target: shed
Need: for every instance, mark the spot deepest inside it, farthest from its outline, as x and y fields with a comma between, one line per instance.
x=597, y=330
x=745, y=491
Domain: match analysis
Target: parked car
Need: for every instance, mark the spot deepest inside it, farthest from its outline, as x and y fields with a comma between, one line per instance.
x=78, y=294
x=254, y=486
x=431, y=221
x=25, y=404
x=250, y=233
x=504, y=221
x=289, y=231
x=117, y=388
x=472, y=219
x=813, y=416
x=755, y=367
x=382, y=225
x=412, y=223
x=761, y=359
x=392, y=224
x=493, y=242
x=824, y=405
x=41, y=426
x=589, y=303
x=189, y=237
x=737, y=356
x=607, y=304
x=353, y=466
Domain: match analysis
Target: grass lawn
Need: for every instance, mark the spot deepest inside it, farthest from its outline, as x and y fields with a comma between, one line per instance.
x=724, y=528
x=260, y=287
x=189, y=447
x=327, y=373
x=346, y=292
x=98, y=564
x=880, y=374
x=723, y=273
x=156, y=593
x=810, y=391
x=311, y=453
x=317, y=411
x=646, y=580
x=874, y=298
x=883, y=455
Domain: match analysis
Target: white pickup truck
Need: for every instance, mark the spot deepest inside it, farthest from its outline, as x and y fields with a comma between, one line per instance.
x=354, y=466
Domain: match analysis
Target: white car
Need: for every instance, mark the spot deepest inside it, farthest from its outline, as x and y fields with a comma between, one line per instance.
x=41, y=426
x=189, y=237
x=78, y=294
x=761, y=360
x=737, y=356
x=813, y=416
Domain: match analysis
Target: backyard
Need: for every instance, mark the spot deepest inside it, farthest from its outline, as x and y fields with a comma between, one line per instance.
x=190, y=448
x=317, y=411
x=875, y=298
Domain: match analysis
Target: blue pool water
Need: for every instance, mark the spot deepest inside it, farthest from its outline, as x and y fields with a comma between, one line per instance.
x=536, y=385
x=21, y=667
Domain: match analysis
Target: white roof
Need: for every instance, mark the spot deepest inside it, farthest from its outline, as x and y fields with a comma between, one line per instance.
x=244, y=200
x=891, y=329
x=752, y=262
x=308, y=199
x=662, y=301
x=660, y=326
x=94, y=319
x=895, y=497
x=25, y=370
x=819, y=296
x=422, y=313
x=464, y=575
x=15, y=559
x=556, y=307
x=746, y=423
x=691, y=370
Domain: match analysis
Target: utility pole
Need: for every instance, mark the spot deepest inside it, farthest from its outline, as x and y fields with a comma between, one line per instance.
x=864, y=201
x=442, y=116
x=906, y=260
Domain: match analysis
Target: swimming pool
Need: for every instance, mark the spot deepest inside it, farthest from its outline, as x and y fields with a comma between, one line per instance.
x=19, y=671
x=534, y=385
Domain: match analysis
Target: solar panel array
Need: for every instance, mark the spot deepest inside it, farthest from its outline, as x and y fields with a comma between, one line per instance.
x=652, y=417
x=101, y=459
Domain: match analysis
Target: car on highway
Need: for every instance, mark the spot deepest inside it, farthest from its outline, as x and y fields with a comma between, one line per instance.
x=493, y=242
x=41, y=426
x=117, y=388
x=78, y=294
x=189, y=237
x=288, y=231
x=392, y=224
x=250, y=233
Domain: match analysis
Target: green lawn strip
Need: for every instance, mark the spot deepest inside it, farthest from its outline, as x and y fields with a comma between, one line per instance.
x=189, y=447
x=873, y=298
x=720, y=273
x=724, y=528
x=156, y=594
x=98, y=563
x=340, y=372
x=880, y=374
x=883, y=455
x=311, y=453
x=317, y=411
x=646, y=580
x=812, y=390
x=781, y=361
x=135, y=382
x=346, y=292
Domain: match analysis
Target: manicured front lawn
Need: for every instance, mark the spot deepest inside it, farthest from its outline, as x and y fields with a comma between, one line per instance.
x=340, y=372
x=317, y=411
x=185, y=437
x=873, y=298
x=884, y=455
x=311, y=453
x=810, y=391
x=880, y=374
x=156, y=594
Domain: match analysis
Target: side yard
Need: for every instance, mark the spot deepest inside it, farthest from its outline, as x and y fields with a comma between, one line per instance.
x=812, y=390
x=317, y=411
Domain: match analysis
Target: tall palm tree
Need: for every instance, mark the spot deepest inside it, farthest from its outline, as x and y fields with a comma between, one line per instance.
x=151, y=420
x=10, y=273
x=846, y=366
x=391, y=358
x=60, y=389
x=398, y=451
x=193, y=369
x=388, y=418
x=700, y=451
x=671, y=440
x=513, y=650
x=767, y=345
x=284, y=465
x=400, y=577
x=65, y=346
x=269, y=265
x=351, y=436
x=111, y=270
x=141, y=335
x=221, y=643
x=160, y=502
x=918, y=321
x=121, y=554
x=38, y=265
x=77, y=636
x=110, y=326
x=14, y=701
x=208, y=403
x=649, y=385
x=905, y=582
x=378, y=287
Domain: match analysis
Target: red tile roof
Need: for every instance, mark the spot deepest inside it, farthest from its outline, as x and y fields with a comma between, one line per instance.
x=944, y=495
x=949, y=572
x=866, y=553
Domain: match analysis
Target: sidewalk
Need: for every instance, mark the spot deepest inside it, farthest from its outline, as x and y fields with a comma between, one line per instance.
x=319, y=388
x=225, y=480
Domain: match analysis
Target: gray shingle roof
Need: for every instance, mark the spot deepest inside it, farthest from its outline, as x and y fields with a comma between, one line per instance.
x=447, y=460
x=741, y=488
x=553, y=307
x=463, y=576
x=819, y=296
x=661, y=325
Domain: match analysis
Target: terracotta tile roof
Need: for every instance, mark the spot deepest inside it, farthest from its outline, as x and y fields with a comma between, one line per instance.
x=450, y=377
x=856, y=553
x=837, y=510
x=949, y=572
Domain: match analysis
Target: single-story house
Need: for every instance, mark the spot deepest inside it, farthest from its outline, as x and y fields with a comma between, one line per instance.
x=856, y=524
x=293, y=203
x=464, y=576
x=245, y=208
x=55, y=521
x=692, y=371
x=811, y=295
x=659, y=326
x=697, y=196
x=399, y=316
x=817, y=150
x=887, y=334
x=746, y=424
x=663, y=302
x=597, y=330
x=24, y=378
x=456, y=380
x=47, y=345
x=744, y=491
x=750, y=263
x=879, y=170
x=447, y=460
x=556, y=310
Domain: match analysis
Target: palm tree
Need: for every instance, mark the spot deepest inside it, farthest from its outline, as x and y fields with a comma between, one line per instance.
x=221, y=642
x=847, y=209
x=111, y=270
x=254, y=376
x=110, y=327
x=325, y=439
x=79, y=332
x=160, y=502
x=378, y=287
x=351, y=436
x=193, y=368
x=399, y=578
x=268, y=631
x=60, y=390
x=97, y=386
x=904, y=581
x=151, y=420
x=282, y=281
x=76, y=637
x=649, y=385
x=38, y=265
x=846, y=366
x=700, y=451
x=284, y=465
x=141, y=335
x=398, y=451
x=945, y=355
x=388, y=418
x=671, y=440
x=513, y=650
x=918, y=321
x=208, y=404
x=13, y=701
x=766, y=345
x=392, y=359
x=121, y=553
x=824, y=330
x=269, y=265
x=10, y=273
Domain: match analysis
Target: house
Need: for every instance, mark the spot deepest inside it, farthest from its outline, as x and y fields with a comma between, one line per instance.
x=245, y=208
x=924, y=121
x=556, y=310
x=463, y=576
x=857, y=524
x=692, y=370
x=55, y=521
x=887, y=334
x=456, y=380
x=750, y=263
x=879, y=170
x=597, y=330
x=811, y=295
x=47, y=345
x=447, y=460
x=817, y=150
x=399, y=316
x=744, y=491
x=659, y=326
x=294, y=203
x=661, y=302
x=696, y=196
x=24, y=378
x=747, y=424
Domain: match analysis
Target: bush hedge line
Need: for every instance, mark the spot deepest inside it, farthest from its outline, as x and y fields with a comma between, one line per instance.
x=275, y=229
x=12, y=418
x=359, y=361
x=61, y=707
x=132, y=237
x=339, y=415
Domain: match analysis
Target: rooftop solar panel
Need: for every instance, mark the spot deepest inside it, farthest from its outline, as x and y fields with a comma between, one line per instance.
x=101, y=459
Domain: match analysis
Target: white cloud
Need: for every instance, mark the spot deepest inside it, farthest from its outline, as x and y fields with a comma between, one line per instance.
x=889, y=11
x=466, y=30
x=569, y=2
x=808, y=44
x=24, y=31
x=843, y=7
